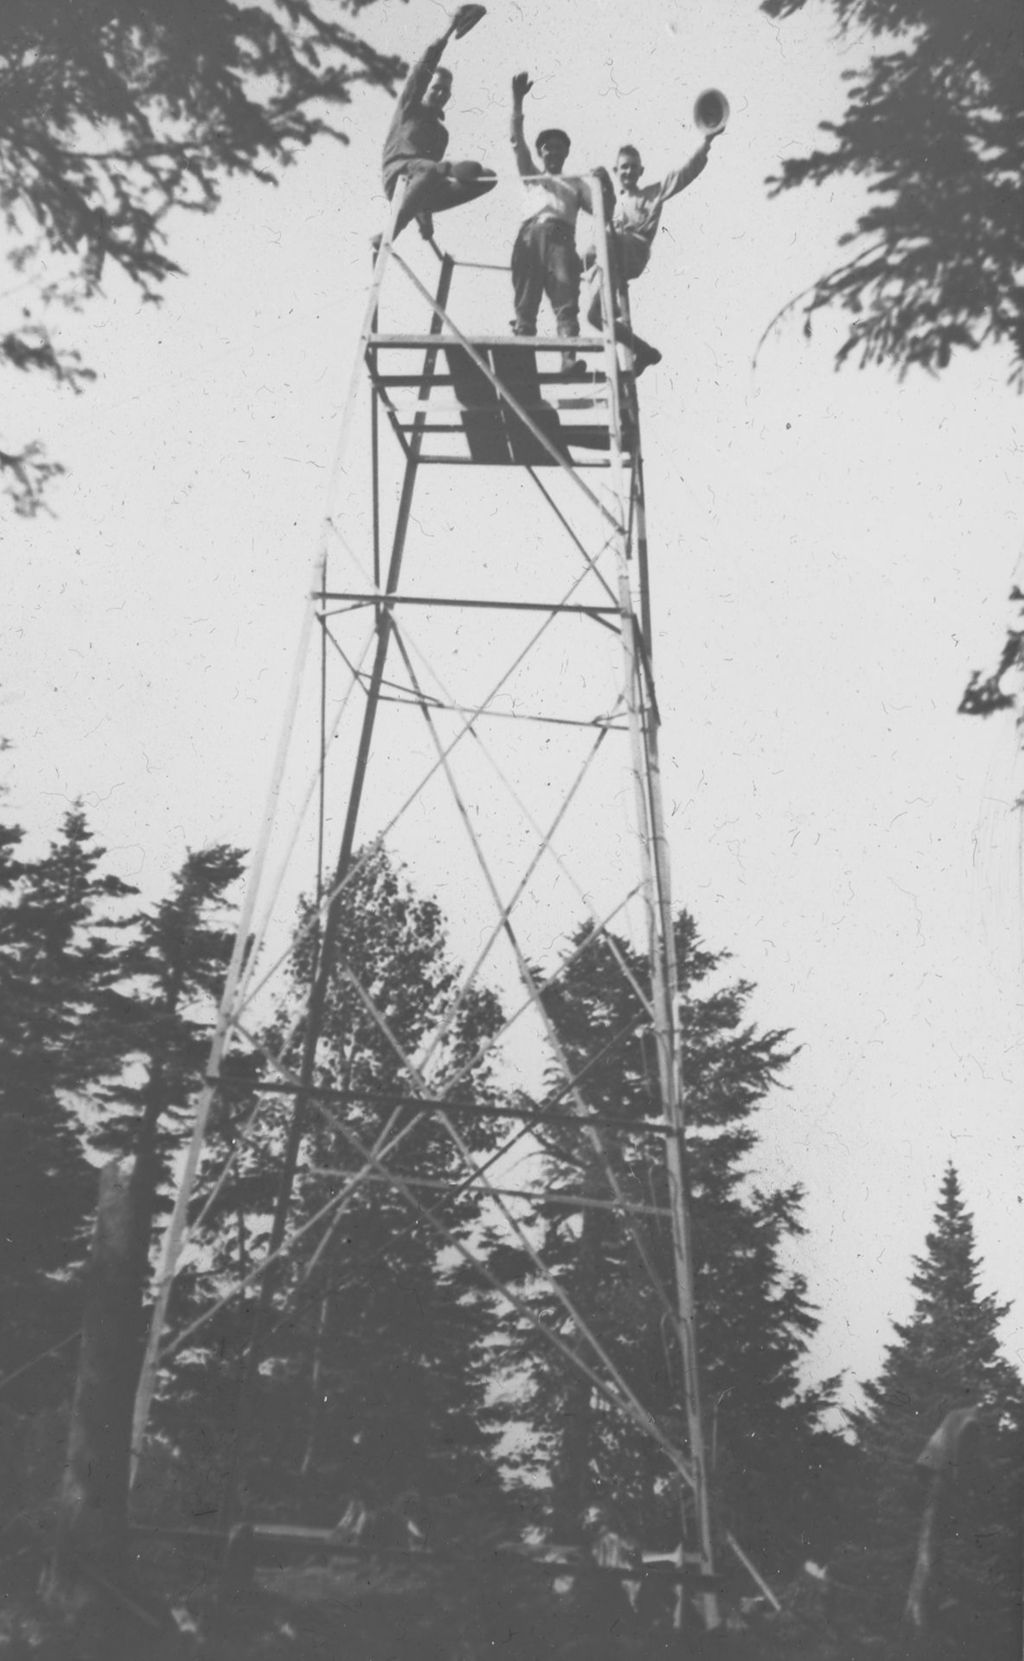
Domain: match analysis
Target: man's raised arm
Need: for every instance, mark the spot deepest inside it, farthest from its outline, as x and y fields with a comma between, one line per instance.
x=418, y=78
x=680, y=177
x=521, y=85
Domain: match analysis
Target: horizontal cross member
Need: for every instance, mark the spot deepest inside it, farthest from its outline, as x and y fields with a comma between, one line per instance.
x=525, y=343
x=374, y=598
x=283, y=1537
x=428, y=1104
x=459, y=1185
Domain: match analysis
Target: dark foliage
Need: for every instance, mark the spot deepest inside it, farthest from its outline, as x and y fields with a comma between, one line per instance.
x=105, y=1017
x=999, y=690
x=935, y=128
x=115, y=112
x=372, y=1379
x=160, y=1016
x=754, y=1316
x=947, y=1356
x=58, y=959
x=161, y=1013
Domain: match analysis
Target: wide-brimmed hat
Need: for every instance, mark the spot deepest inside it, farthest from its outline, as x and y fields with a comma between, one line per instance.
x=467, y=17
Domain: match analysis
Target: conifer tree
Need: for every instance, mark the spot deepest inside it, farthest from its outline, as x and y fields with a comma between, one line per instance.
x=119, y=111
x=947, y=1356
x=372, y=1380
x=932, y=124
x=754, y=1315
x=59, y=957
x=160, y=1016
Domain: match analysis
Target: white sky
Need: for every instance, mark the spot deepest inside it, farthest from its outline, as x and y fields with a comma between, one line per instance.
x=830, y=559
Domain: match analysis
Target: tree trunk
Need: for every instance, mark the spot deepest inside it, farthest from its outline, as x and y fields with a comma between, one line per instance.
x=315, y=1390
x=572, y=1478
x=92, y=1525
x=919, y=1595
x=572, y=1471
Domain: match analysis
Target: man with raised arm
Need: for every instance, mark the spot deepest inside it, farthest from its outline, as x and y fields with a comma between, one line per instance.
x=638, y=209
x=635, y=225
x=418, y=138
x=544, y=258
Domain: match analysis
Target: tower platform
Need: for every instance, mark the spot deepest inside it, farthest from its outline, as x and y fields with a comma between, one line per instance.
x=458, y=403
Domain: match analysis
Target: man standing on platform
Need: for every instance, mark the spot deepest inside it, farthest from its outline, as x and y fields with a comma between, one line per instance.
x=544, y=258
x=418, y=138
x=635, y=225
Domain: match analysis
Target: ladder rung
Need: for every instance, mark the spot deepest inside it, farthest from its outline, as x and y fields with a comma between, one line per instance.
x=595, y=378
x=470, y=461
x=528, y=343
x=452, y=406
x=582, y=437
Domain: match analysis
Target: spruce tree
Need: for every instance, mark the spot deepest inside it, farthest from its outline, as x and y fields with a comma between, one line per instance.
x=159, y=1018
x=372, y=1379
x=58, y=959
x=932, y=126
x=946, y=1356
x=754, y=1316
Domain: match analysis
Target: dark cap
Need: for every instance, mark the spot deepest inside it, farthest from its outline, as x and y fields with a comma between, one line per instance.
x=552, y=132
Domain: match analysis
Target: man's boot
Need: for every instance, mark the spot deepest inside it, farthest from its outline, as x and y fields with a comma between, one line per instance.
x=645, y=356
